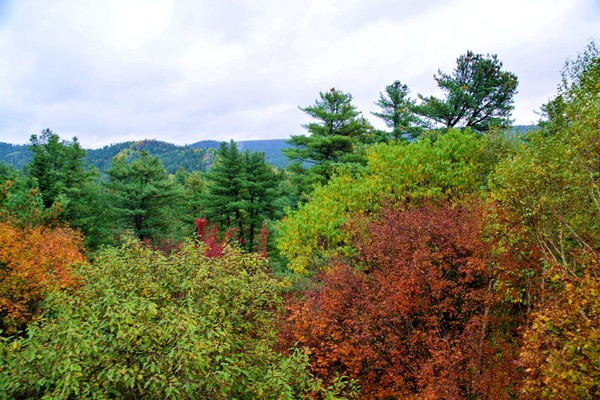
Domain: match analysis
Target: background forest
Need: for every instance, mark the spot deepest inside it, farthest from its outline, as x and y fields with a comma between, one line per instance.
x=451, y=256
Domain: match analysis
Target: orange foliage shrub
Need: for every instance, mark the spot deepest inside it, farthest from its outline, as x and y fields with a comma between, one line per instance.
x=421, y=318
x=33, y=260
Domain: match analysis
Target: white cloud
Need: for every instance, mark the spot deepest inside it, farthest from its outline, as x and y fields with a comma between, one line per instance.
x=184, y=71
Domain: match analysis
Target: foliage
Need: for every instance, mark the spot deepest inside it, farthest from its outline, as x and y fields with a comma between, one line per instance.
x=147, y=326
x=242, y=193
x=446, y=168
x=479, y=94
x=548, y=191
x=334, y=138
x=547, y=198
x=56, y=165
x=226, y=196
x=421, y=318
x=263, y=198
x=397, y=110
x=20, y=200
x=33, y=262
x=141, y=196
x=561, y=350
x=67, y=189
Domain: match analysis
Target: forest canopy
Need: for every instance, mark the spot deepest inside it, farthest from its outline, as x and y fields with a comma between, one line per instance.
x=449, y=256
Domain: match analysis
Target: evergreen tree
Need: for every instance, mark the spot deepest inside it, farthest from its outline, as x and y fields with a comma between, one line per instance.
x=242, y=193
x=225, y=200
x=478, y=95
x=57, y=166
x=69, y=191
x=397, y=111
x=263, y=196
x=141, y=195
x=334, y=138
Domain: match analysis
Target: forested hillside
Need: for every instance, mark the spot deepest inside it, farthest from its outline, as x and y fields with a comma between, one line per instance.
x=194, y=157
x=451, y=255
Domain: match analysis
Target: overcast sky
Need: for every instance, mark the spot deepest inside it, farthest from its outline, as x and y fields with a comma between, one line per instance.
x=184, y=71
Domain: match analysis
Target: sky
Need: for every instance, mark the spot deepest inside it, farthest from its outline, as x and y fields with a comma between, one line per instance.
x=184, y=71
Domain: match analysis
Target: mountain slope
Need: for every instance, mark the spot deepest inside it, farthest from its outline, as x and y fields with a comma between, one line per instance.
x=194, y=157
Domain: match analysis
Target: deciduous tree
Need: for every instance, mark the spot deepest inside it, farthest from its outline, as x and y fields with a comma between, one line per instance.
x=419, y=317
x=33, y=262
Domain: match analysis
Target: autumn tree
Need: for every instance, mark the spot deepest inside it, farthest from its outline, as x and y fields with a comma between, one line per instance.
x=447, y=168
x=34, y=261
x=547, y=198
x=417, y=315
x=478, y=94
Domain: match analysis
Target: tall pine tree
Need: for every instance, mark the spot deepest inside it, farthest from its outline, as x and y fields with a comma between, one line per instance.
x=225, y=201
x=335, y=138
x=141, y=196
x=397, y=111
x=263, y=195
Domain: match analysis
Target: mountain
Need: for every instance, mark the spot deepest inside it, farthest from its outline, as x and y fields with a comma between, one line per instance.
x=194, y=157
x=172, y=156
x=16, y=155
x=272, y=149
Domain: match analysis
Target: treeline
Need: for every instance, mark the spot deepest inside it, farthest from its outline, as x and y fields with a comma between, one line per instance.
x=445, y=257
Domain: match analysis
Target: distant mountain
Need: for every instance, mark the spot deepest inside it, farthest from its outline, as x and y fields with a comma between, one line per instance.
x=172, y=156
x=194, y=157
x=16, y=155
x=272, y=149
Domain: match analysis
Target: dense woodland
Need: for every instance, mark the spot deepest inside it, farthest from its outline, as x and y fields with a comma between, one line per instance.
x=450, y=256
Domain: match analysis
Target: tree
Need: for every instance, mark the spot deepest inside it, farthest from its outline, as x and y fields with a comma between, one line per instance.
x=263, y=195
x=33, y=262
x=155, y=327
x=226, y=199
x=479, y=94
x=67, y=189
x=561, y=346
x=397, y=112
x=242, y=193
x=20, y=200
x=416, y=314
x=425, y=170
x=57, y=165
x=141, y=195
x=333, y=139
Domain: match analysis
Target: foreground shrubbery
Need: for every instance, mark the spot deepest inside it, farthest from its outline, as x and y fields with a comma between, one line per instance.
x=146, y=325
x=34, y=262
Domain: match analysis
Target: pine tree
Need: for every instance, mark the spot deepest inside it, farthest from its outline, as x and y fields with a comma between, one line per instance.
x=478, y=95
x=141, y=195
x=335, y=138
x=57, y=166
x=397, y=112
x=225, y=201
x=262, y=184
